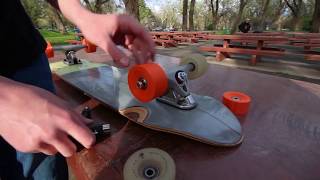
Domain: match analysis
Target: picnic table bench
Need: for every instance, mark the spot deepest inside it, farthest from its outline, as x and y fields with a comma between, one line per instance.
x=261, y=34
x=225, y=51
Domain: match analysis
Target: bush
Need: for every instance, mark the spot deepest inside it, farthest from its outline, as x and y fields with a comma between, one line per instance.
x=306, y=23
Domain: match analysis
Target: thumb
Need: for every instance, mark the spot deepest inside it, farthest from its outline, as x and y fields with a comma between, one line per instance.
x=118, y=56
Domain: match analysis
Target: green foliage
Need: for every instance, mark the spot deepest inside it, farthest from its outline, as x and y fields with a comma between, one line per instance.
x=56, y=37
x=223, y=32
x=209, y=27
x=306, y=23
x=144, y=11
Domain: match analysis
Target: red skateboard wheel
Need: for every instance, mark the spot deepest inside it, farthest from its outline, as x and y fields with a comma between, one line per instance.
x=89, y=46
x=147, y=81
x=237, y=102
x=49, y=50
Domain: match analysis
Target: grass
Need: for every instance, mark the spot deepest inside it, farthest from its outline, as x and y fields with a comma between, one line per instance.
x=56, y=38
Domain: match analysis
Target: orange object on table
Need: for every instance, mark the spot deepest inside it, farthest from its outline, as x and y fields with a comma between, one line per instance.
x=237, y=102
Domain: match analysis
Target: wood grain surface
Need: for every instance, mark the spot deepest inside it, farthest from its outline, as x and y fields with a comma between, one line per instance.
x=282, y=133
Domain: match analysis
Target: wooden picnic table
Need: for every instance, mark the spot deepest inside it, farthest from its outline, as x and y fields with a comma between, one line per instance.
x=261, y=34
x=175, y=36
x=282, y=133
x=224, y=51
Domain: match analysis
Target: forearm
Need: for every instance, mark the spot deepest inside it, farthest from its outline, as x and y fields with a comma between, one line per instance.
x=74, y=11
x=9, y=89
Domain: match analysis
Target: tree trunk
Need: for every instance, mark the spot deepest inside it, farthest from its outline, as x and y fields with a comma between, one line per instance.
x=316, y=18
x=295, y=8
x=239, y=16
x=191, y=12
x=185, y=15
x=214, y=12
x=296, y=23
x=58, y=20
x=264, y=15
x=132, y=8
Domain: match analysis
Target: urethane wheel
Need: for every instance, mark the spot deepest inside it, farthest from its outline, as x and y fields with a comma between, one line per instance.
x=147, y=81
x=237, y=102
x=49, y=50
x=89, y=46
x=199, y=62
x=149, y=163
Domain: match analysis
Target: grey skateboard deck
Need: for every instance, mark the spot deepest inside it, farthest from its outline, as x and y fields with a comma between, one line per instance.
x=210, y=122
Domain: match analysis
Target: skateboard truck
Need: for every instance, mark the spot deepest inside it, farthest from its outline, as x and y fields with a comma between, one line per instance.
x=178, y=94
x=150, y=81
x=70, y=51
x=71, y=58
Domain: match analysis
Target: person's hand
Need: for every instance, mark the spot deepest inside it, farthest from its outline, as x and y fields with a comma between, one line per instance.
x=33, y=120
x=107, y=31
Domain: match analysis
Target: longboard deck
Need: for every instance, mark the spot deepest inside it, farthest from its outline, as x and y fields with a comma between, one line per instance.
x=210, y=122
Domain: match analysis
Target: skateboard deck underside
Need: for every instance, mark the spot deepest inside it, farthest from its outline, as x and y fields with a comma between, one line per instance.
x=210, y=122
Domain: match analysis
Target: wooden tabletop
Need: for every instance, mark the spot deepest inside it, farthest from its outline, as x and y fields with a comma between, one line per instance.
x=282, y=133
x=249, y=38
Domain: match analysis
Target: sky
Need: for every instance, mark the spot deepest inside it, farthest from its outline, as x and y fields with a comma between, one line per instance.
x=155, y=5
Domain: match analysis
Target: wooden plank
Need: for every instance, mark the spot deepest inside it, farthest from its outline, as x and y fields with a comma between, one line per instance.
x=312, y=57
x=249, y=47
x=307, y=44
x=165, y=43
x=243, y=51
x=261, y=34
x=248, y=38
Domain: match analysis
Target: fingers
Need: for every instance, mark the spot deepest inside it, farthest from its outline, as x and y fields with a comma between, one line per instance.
x=129, y=25
x=47, y=149
x=64, y=145
x=59, y=139
x=118, y=56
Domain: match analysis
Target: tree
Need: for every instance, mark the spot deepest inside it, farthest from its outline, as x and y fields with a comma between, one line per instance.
x=276, y=16
x=191, y=13
x=185, y=15
x=295, y=7
x=58, y=20
x=132, y=8
x=99, y=6
x=239, y=16
x=214, y=13
x=316, y=18
x=263, y=16
x=147, y=18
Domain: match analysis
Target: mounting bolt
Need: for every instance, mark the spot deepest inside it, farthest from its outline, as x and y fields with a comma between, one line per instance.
x=142, y=83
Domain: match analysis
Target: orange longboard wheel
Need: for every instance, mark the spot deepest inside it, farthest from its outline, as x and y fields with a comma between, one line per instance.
x=49, y=50
x=237, y=102
x=89, y=46
x=147, y=81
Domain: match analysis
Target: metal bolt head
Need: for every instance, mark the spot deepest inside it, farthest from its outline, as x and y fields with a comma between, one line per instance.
x=142, y=83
